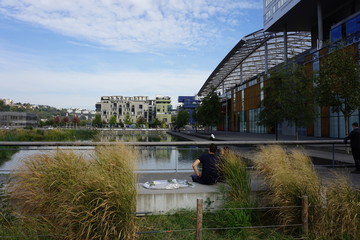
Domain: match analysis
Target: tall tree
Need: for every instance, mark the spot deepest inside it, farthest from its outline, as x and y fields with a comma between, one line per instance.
x=208, y=113
x=272, y=106
x=338, y=83
x=182, y=119
x=76, y=121
x=4, y=107
x=65, y=120
x=287, y=97
x=300, y=98
x=97, y=120
x=140, y=121
x=56, y=120
x=112, y=121
x=127, y=119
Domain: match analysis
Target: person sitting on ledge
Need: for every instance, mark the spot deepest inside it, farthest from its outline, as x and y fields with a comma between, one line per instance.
x=209, y=174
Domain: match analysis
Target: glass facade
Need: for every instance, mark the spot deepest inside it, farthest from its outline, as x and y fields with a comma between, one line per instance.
x=345, y=29
x=254, y=120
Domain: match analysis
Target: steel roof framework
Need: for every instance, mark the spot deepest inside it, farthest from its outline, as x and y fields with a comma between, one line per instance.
x=248, y=58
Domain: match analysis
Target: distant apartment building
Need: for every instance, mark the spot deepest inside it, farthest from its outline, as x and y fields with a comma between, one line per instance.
x=163, y=109
x=18, y=119
x=124, y=107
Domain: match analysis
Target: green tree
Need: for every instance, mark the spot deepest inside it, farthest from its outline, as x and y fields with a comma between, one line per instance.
x=97, y=121
x=300, y=98
x=182, y=119
x=156, y=123
x=4, y=107
x=127, y=119
x=140, y=121
x=112, y=121
x=121, y=124
x=208, y=113
x=338, y=83
x=287, y=97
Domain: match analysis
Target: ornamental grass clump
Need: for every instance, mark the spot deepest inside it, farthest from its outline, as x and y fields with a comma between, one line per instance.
x=341, y=215
x=237, y=195
x=76, y=197
x=237, y=177
x=289, y=176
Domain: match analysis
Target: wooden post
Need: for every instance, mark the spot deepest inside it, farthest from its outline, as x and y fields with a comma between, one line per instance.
x=199, y=219
x=305, y=214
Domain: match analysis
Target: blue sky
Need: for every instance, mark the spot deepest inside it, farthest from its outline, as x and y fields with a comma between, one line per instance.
x=70, y=53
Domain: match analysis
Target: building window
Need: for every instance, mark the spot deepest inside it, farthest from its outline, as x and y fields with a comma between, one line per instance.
x=336, y=34
x=140, y=106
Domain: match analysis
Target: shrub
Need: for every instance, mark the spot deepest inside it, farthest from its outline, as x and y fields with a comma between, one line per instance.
x=77, y=198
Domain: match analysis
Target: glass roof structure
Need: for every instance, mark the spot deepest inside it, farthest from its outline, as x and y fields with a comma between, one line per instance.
x=254, y=54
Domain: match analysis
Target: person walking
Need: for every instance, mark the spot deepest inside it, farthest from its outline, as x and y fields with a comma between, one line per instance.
x=354, y=138
x=209, y=174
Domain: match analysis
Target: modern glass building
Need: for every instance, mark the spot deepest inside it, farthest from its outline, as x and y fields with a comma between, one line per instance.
x=300, y=31
x=189, y=103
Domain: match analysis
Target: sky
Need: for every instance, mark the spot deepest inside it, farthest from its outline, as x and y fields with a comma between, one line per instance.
x=67, y=54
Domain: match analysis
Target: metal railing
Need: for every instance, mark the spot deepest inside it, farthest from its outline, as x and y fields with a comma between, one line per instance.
x=87, y=145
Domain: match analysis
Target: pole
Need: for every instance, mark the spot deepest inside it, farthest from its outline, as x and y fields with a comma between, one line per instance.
x=199, y=219
x=333, y=155
x=305, y=214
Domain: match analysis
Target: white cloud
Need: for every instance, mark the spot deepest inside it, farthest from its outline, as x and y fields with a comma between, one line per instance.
x=132, y=25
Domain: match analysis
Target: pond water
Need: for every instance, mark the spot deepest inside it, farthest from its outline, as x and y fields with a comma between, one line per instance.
x=151, y=159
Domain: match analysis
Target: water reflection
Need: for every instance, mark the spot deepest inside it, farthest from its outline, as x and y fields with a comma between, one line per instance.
x=138, y=138
x=168, y=158
x=150, y=158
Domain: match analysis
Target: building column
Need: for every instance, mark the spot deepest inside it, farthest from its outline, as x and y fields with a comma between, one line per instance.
x=285, y=45
x=320, y=25
x=266, y=59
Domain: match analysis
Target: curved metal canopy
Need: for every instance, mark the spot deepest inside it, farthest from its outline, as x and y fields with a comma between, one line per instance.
x=253, y=55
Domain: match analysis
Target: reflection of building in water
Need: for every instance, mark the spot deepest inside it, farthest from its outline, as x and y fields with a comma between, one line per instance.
x=18, y=119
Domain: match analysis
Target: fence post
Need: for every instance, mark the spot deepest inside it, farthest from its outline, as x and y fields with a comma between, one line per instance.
x=199, y=219
x=305, y=214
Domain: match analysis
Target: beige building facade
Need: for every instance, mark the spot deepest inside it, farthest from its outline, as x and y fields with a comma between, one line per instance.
x=123, y=108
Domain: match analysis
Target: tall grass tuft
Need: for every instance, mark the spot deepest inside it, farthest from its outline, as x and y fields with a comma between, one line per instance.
x=341, y=213
x=289, y=175
x=237, y=177
x=237, y=195
x=79, y=198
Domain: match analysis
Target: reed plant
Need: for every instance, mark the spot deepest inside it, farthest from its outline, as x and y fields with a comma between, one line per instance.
x=237, y=194
x=234, y=171
x=341, y=211
x=289, y=176
x=76, y=197
x=334, y=210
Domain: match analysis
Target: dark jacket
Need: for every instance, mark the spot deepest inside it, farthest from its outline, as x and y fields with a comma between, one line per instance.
x=354, y=138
